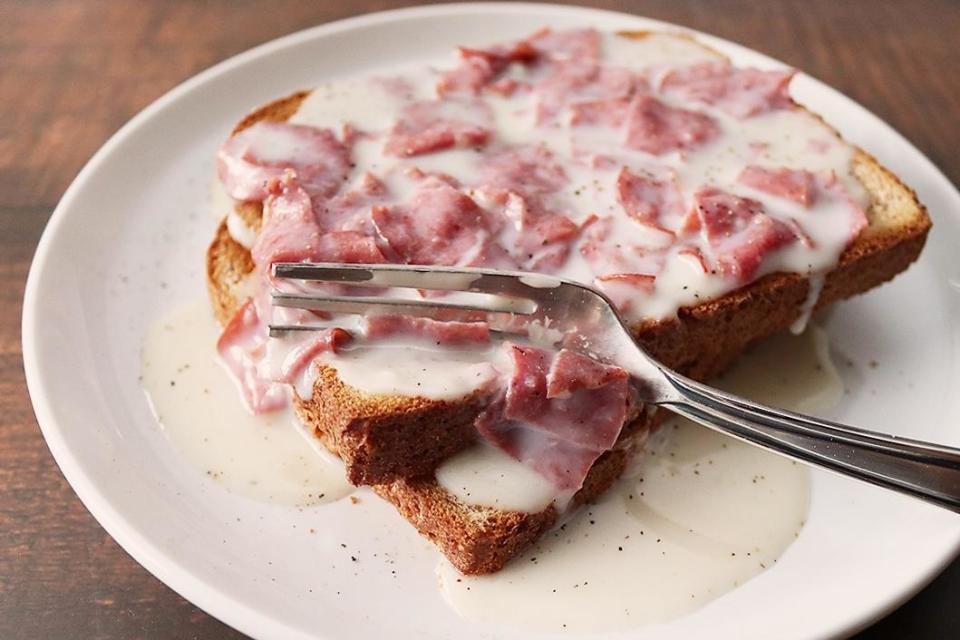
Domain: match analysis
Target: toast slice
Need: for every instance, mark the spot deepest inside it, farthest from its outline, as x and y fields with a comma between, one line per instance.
x=394, y=443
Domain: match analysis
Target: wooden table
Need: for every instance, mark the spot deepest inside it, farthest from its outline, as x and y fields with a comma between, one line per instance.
x=72, y=72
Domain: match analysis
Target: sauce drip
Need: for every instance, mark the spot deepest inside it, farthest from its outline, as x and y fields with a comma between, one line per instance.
x=698, y=515
x=268, y=457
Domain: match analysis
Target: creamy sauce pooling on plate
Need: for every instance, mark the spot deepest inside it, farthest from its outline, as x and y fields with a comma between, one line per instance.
x=268, y=457
x=698, y=515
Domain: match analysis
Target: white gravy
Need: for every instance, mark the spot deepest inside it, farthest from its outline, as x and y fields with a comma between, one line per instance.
x=698, y=515
x=787, y=138
x=486, y=476
x=403, y=367
x=268, y=457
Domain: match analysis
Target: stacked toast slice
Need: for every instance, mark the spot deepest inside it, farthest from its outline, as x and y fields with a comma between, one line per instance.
x=395, y=443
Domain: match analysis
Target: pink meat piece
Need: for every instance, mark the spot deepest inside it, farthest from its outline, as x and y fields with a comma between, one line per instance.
x=563, y=62
x=622, y=271
x=289, y=227
x=613, y=284
x=242, y=347
x=439, y=225
x=657, y=128
x=571, y=372
x=791, y=184
x=524, y=169
x=567, y=395
x=437, y=125
x=559, y=413
x=603, y=112
x=248, y=161
x=562, y=463
x=806, y=189
x=350, y=209
x=697, y=255
x=649, y=200
x=740, y=92
x=606, y=99
x=346, y=246
x=543, y=239
x=303, y=354
x=738, y=231
x=292, y=233
x=575, y=75
x=441, y=332
x=546, y=242
x=518, y=179
x=479, y=67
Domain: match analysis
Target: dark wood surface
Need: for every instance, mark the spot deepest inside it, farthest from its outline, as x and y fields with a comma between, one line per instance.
x=72, y=72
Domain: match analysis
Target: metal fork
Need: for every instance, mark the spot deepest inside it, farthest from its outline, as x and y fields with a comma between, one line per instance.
x=582, y=318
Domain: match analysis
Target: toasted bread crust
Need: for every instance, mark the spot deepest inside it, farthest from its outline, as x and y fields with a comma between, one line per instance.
x=480, y=540
x=395, y=442
x=229, y=264
x=279, y=110
x=380, y=438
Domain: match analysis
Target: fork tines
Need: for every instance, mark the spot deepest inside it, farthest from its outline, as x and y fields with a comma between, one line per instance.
x=493, y=296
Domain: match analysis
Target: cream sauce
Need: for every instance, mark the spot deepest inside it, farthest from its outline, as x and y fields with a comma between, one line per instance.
x=655, y=49
x=269, y=457
x=240, y=231
x=815, y=288
x=413, y=368
x=220, y=202
x=223, y=207
x=780, y=138
x=486, y=476
x=788, y=138
x=698, y=515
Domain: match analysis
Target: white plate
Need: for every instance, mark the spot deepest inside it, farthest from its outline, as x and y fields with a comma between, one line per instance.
x=126, y=243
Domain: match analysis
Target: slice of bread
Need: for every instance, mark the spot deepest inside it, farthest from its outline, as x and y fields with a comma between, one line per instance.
x=394, y=443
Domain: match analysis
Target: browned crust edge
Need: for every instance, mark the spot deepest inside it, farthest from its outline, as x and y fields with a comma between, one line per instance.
x=279, y=110
x=384, y=437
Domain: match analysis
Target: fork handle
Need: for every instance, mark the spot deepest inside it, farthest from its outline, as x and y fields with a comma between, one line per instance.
x=924, y=470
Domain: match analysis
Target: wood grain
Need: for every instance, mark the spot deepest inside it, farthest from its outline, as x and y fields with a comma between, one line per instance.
x=71, y=73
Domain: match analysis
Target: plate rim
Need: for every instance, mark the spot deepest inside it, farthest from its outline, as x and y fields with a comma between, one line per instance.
x=138, y=546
